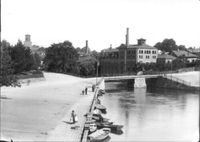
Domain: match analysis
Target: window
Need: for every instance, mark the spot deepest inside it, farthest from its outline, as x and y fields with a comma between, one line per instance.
x=141, y=51
x=140, y=56
x=147, y=57
x=154, y=52
x=154, y=57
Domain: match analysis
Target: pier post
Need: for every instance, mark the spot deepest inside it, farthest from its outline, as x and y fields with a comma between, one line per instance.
x=140, y=82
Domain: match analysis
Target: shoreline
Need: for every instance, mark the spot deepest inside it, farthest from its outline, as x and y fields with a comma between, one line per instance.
x=33, y=112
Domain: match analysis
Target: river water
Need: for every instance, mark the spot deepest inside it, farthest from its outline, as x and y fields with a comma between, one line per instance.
x=153, y=115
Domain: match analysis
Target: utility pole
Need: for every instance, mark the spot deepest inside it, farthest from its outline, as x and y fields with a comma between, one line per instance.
x=97, y=71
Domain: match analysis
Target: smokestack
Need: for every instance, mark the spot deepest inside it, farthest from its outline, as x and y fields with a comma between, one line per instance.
x=127, y=37
x=86, y=46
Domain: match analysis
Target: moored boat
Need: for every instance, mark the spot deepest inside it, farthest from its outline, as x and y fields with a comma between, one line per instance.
x=113, y=128
x=99, y=135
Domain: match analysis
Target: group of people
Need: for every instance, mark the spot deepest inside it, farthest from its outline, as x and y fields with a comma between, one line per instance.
x=74, y=118
x=84, y=92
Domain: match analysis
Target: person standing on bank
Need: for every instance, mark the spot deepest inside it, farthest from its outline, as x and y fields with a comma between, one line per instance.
x=93, y=87
x=73, y=118
x=86, y=91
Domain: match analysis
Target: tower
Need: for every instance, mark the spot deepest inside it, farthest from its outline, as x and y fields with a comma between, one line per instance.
x=27, y=41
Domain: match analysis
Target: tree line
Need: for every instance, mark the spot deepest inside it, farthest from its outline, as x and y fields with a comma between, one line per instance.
x=60, y=58
x=15, y=60
x=64, y=58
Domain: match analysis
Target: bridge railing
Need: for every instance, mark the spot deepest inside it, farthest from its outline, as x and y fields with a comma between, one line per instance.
x=144, y=73
x=176, y=79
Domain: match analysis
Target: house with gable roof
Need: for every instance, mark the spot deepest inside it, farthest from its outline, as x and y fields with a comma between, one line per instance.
x=184, y=55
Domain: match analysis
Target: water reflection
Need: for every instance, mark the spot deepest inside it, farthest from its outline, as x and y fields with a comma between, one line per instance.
x=154, y=115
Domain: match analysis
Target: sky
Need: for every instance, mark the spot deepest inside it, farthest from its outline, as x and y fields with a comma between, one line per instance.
x=101, y=22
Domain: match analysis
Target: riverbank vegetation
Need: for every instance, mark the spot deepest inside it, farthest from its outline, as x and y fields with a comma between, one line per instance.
x=17, y=61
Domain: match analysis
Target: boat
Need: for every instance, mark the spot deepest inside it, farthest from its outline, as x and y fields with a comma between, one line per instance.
x=99, y=135
x=99, y=106
x=102, y=91
x=97, y=118
x=92, y=128
x=113, y=128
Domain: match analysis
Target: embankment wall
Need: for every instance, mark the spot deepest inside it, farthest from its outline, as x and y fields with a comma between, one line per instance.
x=161, y=82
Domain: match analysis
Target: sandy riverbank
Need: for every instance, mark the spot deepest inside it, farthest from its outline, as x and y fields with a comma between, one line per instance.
x=34, y=111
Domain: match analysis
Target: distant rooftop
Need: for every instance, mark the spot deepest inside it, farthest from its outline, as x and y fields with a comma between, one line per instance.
x=166, y=56
x=184, y=53
x=194, y=50
x=143, y=46
x=110, y=50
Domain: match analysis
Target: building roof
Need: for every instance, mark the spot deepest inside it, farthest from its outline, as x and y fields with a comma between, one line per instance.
x=194, y=50
x=184, y=53
x=110, y=50
x=136, y=46
x=143, y=46
x=165, y=56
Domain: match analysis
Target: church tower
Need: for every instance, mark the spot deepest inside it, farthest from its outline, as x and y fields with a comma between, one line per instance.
x=27, y=42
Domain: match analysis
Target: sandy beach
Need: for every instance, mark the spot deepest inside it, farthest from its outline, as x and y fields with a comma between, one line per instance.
x=37, y=111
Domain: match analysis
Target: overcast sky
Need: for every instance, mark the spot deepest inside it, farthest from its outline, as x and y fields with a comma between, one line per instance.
x=101, y=22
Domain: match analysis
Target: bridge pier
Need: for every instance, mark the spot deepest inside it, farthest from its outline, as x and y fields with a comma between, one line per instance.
x=140, y=82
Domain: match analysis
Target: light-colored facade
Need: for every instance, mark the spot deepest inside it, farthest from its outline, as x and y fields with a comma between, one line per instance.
x=113, y=60
x=148, y=55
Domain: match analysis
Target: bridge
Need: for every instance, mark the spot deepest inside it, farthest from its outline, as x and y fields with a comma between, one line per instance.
x=140, y=80
x=126, y=77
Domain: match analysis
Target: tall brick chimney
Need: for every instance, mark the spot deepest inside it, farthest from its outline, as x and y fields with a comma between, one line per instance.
x=86, y=45
x=125, y=50
x=127, y=37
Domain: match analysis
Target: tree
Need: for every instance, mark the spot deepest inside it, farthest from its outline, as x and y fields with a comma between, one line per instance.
x=37, y=61
x=61, y=58
x=182, y=47
x=166, y=45
x=95, y=54
x=22, y=58
x=178, y=63
x=87, y=66
x=6, y=70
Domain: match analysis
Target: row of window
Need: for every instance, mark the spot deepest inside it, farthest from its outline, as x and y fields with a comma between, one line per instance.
x=147, y=52
x=131, y=52
x=147, y=57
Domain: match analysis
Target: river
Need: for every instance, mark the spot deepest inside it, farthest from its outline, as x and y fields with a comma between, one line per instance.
x=152, y=114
